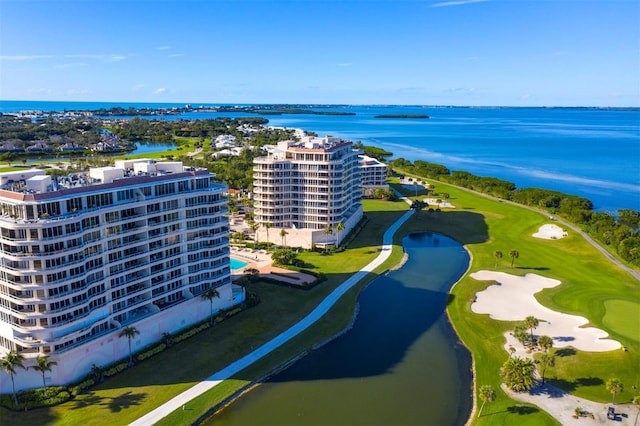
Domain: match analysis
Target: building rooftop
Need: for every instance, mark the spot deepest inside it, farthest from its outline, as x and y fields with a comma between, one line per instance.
x=35, y=181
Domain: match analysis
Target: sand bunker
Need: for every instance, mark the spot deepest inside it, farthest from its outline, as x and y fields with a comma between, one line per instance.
x=512, y=300
x=443, y=204
x=550, y=232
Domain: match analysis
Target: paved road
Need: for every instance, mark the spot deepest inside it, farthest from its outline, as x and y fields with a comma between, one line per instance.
x=215, y=379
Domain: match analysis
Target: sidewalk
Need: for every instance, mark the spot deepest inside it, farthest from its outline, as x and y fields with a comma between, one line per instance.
x=215, y=379
x=562, y=405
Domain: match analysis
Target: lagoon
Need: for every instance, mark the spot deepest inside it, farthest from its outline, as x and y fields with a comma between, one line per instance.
x=401, y=363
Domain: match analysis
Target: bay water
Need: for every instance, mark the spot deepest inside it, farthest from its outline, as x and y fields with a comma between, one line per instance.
x=589, y=152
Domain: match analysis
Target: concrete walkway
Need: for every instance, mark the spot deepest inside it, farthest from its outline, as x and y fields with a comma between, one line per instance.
x=215, y=379
x=562, y=406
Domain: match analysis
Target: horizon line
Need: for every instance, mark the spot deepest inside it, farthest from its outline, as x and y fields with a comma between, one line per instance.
x=340, y=104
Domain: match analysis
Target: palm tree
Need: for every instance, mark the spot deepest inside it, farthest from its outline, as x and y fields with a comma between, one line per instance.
x=545, y=342
x=267, y=225
x=43, y=365
x=129, y=333
x=498, y=255
x=546, y=360
x=327, y=231
x=486, y=394
x=514, y=255
x=531, y=322
x=339, y=228
x=9, y=363
x=283, y=236
x=614, y=386
x=518, y=374
x=520, y=333
x=209, y=295
x=97, y=373
x=254, y=228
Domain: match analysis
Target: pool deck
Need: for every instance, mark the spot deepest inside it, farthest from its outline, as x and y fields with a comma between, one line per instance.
x=261, y=260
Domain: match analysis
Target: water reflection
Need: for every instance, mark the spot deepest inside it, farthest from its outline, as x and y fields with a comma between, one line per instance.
x=400, y=364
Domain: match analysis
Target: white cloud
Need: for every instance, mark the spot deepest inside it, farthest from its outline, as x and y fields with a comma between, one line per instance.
x=102, y=58
x=456, y=3
x=71, y=65
x=74, y=92
x=175, y=55
x=23, y=57
x=159, y=91
x=39, y=90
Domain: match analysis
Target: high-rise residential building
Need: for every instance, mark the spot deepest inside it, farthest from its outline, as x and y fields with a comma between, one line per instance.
x=311, y=189
x=88, y=254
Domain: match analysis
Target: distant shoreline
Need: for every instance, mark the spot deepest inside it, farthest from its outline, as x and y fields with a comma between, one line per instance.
x=401, y=116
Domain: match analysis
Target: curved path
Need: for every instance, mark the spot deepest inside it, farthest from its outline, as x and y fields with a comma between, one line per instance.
x=215, y=379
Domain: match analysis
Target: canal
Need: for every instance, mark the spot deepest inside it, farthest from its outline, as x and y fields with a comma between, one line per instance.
x=401, y=363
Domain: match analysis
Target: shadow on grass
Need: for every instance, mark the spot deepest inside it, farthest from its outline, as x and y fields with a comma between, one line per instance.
x=571, y=386
x=565, y=385
x=116, y=404
x=589, y=381
x=450, y=299
x=463, y=226
x=534, y=268
x=124, y=401
x=565, y=352
x=522, y=410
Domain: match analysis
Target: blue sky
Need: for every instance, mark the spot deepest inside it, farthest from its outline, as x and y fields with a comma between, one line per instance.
x=457, y=52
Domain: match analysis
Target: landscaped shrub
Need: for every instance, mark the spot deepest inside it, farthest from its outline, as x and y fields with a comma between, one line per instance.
x=191, y=332
x=85, y=384
x=118, y=368
x=151, y=352
x=233, y=312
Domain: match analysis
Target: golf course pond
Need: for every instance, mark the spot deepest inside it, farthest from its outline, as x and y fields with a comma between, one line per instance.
x=401, y=363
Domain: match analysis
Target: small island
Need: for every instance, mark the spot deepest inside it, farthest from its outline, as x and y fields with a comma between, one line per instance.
x=401, y=116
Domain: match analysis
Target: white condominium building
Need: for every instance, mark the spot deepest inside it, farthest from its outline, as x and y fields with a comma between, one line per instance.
x=307, y=188
x=374, y=173
x=85, y=255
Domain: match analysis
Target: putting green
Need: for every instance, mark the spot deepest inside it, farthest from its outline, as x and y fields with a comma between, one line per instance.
x=623, y=317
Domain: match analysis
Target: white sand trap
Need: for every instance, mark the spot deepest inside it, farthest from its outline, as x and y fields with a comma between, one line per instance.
x=550, y=232
x=443, y=204
x=512, y=300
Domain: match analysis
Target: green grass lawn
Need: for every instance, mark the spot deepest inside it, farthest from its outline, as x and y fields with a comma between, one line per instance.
x=592, y=287
x=590, y=284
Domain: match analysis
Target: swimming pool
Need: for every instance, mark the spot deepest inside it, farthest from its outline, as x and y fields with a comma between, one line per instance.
x=237, y=264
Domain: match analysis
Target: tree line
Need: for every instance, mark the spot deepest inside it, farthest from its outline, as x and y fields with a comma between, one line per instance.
x=621, y=233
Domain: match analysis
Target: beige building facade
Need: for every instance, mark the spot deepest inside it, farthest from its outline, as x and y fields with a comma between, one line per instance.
x=310, y=189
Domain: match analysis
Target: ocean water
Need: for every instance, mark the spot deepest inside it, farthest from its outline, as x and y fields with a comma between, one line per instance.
x=593, y=153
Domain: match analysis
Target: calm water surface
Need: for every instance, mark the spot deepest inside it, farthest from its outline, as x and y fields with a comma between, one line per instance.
x=400, y=364
x=593, y=153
